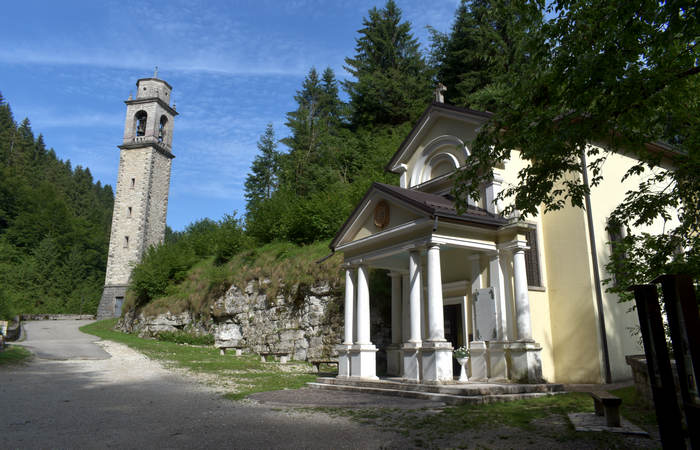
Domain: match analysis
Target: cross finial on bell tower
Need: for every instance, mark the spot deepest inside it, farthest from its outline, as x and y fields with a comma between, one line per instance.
x=439, y=89
x=155, y=72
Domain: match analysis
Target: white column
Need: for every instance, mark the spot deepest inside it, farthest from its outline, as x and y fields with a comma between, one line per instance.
x=522, y=302
x=349, y=306
x=476, y=285
x=436, y=321
x=414, y=274
x=405, y=308
x=496, y=282
x=362, y=306
x=396, y=307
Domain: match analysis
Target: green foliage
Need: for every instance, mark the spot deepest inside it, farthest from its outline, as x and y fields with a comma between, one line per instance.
x=168, y=264
x=183, y=337
x=14, y=354
x=393, y=82
x=262, y=181
x=620, y=76
x=54, y=226
x=487, y=39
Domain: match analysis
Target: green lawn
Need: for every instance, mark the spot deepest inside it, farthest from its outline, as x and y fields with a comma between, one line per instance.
x=241, y=375
x=14, y=354
x=527, y=421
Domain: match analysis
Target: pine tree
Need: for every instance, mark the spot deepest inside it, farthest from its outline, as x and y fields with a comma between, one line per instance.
x=487, y=40
x=262, y=180
x=316, y=119
x=393, y=82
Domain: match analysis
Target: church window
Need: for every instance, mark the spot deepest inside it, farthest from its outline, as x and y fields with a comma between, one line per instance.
x=161, y=130
x=129, y=212
x=126, y=241
x=141, y=118
x=532, y=260
x=133, y=182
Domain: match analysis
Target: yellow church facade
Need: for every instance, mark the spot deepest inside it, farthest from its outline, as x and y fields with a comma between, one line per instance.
x=525, y=296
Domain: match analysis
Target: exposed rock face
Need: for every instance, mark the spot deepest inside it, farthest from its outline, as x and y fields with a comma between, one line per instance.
x=306, y=322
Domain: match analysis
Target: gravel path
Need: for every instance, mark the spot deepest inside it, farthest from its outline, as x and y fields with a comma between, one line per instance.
x=129, y=401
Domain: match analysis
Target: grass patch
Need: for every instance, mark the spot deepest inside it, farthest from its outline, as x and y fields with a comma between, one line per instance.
x=14, y=354
x=635, y=409
x=542, y=419
x=243, y=375
x=183, y=337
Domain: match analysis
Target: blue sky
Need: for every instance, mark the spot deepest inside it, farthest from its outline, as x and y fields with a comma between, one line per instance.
x=234, y=67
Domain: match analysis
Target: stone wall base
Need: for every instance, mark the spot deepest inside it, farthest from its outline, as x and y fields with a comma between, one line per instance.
x=109, y=307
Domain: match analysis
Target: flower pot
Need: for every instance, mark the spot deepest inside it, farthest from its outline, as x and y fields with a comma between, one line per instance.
x=463, y=373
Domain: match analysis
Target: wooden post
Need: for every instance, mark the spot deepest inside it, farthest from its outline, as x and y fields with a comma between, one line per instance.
x=659, y=365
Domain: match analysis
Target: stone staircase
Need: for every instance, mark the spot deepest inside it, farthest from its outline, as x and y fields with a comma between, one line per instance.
x=451, y=394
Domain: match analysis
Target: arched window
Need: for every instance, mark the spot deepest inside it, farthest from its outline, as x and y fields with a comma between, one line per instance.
x=140, y=121
x=161, y=130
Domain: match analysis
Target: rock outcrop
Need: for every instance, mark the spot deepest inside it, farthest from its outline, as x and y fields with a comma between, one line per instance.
x=305, y=321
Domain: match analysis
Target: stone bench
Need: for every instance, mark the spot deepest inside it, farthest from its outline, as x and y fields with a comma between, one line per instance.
x=317, y=363
x=607, y=405
x=239, y=350
x=283, y=356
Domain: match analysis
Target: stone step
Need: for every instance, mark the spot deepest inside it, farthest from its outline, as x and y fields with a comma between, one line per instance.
x=472, y=389
x=448, y=399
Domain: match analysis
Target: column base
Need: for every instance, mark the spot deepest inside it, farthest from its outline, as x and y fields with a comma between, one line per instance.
x=498, y=367
x=436, y=358
x=393, y=360
x=479, y=361
x=411, y=361
x=343, y=360
x=363, y=361
x=525, y=363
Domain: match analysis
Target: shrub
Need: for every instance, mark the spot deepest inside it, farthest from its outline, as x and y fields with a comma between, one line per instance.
x=183, y=337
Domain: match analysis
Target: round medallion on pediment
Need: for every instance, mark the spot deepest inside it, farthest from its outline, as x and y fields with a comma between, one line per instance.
x=381, y=214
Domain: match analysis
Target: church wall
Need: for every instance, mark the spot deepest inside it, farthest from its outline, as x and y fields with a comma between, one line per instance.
x=574, y=322
x=619, y=320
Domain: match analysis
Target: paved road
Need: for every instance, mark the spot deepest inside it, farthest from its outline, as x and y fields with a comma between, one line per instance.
x=63, y=400
x=61, y=340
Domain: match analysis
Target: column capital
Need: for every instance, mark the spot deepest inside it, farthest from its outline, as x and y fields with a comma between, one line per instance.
x=430, y=245
x=514, y=246
x=394, y=274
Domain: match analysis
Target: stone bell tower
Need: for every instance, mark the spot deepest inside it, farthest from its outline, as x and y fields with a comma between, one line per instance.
x=143, y=182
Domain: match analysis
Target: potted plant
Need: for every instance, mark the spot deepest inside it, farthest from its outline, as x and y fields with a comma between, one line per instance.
x=462, y=356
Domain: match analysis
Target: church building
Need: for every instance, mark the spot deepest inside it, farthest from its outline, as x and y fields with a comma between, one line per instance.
x=524, y=296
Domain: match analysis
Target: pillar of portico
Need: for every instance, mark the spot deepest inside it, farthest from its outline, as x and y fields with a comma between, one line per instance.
x=393, y=351
x=344, y=348
x=478, y=358
x=436, y=351
x=496, y=349
x=363, y=352
x=411, y=347
x=525, y=362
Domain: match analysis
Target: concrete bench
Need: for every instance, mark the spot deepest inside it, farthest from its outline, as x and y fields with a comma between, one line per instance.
x=607, y=405
x=317, y=363
x=283, y=356
x=239, y=350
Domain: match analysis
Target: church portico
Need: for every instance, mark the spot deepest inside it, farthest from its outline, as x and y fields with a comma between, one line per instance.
x=442, y=271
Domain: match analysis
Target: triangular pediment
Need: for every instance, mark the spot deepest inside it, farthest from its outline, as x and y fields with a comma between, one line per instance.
x=378, y=212
x=437, y=145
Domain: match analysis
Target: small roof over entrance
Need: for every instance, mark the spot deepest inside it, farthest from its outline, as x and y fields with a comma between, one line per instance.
x=389, y=209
